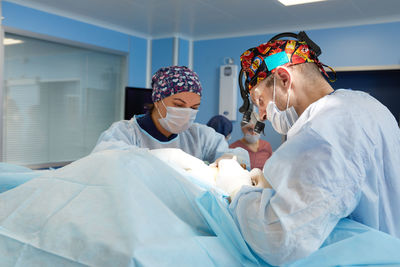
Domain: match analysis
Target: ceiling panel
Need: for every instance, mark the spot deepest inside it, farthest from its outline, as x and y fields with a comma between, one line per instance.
x=202, y=19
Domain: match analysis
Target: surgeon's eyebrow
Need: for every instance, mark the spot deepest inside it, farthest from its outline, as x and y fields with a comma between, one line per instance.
x=180, y=100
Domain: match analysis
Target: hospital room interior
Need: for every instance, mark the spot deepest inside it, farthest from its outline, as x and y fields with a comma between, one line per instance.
x=200, y=133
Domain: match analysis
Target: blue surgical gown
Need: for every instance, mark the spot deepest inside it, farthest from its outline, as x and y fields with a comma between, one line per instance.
x=341, y=159
x=199, y=141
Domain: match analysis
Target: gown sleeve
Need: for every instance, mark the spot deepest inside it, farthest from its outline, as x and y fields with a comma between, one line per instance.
x=313, y=187
x=214, y=146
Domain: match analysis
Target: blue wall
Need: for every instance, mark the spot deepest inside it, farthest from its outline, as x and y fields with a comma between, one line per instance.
x=38, y=22
x=349, y=46
x=162, y=51
x=137, y=62
x=359, y=46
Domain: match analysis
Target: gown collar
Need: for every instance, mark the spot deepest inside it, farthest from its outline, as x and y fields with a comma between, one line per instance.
x=146, y=123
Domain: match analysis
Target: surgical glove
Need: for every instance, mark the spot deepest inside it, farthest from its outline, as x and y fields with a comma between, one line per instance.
x=258, y=179
x=231, y=176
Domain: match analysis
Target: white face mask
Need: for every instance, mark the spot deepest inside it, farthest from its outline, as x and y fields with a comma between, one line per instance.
x=177, y=120
x=282, y=121
x=251, y=138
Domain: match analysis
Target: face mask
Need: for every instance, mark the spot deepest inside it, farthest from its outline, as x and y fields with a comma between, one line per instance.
x=177, y=120
x=282, y=121
x=251, y=138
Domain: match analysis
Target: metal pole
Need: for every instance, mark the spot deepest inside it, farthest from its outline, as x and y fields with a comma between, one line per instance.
x=1, y=84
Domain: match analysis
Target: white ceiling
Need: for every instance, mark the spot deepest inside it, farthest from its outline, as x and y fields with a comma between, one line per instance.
x=206, y=19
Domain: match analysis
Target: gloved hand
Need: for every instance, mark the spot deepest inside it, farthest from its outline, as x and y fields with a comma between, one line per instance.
x=258, y=179
x=231, y=176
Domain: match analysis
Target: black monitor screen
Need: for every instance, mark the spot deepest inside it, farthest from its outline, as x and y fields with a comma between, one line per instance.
x=136, y=101
x=381, y=84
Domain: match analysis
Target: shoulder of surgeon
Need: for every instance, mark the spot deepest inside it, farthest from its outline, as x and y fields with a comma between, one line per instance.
x=344, y=109
x=120, y=129
x=124, y=124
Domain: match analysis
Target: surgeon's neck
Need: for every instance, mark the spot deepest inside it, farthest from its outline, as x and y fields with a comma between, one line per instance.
x=311, y=93
x=155, y=116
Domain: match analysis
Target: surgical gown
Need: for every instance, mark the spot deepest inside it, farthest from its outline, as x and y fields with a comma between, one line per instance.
x=199, y=141
x=341, y=159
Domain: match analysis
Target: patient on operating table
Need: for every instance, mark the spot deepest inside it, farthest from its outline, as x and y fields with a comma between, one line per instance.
x=227, y=174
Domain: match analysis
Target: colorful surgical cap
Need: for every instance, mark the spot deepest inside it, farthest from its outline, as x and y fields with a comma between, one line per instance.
x=259, y=62
x=172, y=80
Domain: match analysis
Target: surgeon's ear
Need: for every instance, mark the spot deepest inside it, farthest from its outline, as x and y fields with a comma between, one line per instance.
x=284, y=76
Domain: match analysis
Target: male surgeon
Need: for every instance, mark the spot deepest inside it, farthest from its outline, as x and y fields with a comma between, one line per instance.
x=341, y=158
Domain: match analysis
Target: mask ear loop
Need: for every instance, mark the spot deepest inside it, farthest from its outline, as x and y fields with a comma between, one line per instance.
x=273, y=97
x=288, y=97
x=290, y=90
x=159, y=110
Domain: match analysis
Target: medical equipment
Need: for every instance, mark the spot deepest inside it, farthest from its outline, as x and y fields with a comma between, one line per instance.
x=137, y=101
x=228, y=89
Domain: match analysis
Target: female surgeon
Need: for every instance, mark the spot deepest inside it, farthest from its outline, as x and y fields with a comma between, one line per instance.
x=170, y=123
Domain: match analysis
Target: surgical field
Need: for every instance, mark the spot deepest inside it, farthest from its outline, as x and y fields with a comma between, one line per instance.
x=143, y=207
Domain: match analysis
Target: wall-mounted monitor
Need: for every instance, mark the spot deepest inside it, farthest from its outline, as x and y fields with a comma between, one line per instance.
x=381, y=84
x=137, y=101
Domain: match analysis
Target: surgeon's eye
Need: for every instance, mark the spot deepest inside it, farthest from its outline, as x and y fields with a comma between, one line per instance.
x=178, y=105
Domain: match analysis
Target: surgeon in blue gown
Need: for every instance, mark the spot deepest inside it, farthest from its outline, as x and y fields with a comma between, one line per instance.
x=341, y=158
x=170, y=124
